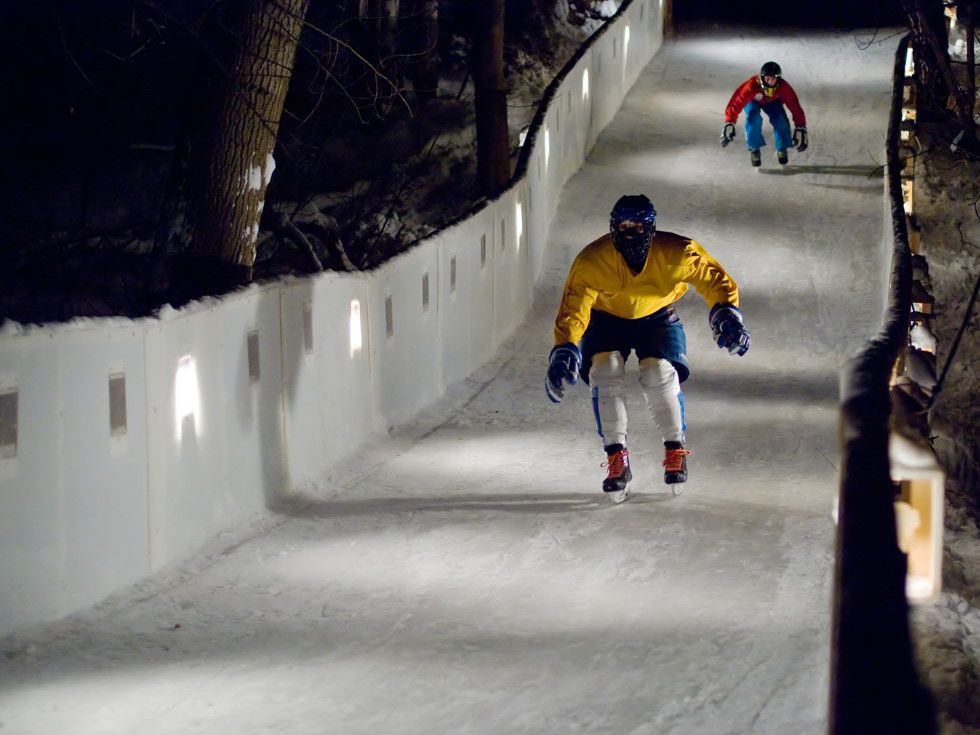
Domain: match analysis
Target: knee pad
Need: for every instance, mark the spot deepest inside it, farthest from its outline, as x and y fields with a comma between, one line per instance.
x=659, y=374
x=662, y=390
x=608, y=374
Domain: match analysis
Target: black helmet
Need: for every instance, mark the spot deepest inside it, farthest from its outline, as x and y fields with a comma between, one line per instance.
x=770, y=69
x=632, y=225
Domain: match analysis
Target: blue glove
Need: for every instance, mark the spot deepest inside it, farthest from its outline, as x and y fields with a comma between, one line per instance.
x=563, y=365
x=727, y=134
x=728, y=330
x=800, y=139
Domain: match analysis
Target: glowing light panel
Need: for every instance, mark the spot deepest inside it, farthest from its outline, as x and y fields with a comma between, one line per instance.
x=519, y=221
x=626, y=50
x=187, y=397
x=355, y=327
x=585, y=84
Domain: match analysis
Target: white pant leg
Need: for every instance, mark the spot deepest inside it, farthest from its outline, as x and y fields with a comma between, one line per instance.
x=607, y=377
x=662, y=390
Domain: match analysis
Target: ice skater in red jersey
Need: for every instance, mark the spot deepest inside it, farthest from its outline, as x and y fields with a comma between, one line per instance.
x=766, y=92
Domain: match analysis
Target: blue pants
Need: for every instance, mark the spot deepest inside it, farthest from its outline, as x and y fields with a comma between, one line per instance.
x=780, y=125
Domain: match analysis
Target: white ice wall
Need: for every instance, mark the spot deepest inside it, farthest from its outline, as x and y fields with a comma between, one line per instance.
x=229, y=404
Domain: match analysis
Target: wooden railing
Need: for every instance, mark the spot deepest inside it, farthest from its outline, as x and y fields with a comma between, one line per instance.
x=874, y=684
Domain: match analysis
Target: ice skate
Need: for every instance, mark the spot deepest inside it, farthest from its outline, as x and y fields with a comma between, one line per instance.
x=618, y=465
x=675, y=464
x=782, y=157
x=755, y=157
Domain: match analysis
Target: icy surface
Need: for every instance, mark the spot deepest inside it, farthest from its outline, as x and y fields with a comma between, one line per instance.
x=467, y=576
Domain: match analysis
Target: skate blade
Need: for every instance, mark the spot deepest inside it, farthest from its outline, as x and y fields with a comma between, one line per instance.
x=677, y=488
x=619, y=496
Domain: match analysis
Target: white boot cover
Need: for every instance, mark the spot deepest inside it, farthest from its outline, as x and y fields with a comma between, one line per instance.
x=608, y=379
x=662, y=390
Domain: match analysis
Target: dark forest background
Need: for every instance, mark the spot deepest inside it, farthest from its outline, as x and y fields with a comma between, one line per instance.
x=111, y=112
x=110, y=115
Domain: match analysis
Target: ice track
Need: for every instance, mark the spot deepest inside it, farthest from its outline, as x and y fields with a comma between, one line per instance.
x=467, y=576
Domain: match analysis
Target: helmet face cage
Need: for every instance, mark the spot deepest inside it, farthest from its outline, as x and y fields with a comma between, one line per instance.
x=632, y=225
x=770, y=69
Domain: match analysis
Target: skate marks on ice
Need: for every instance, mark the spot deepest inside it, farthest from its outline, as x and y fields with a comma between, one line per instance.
x=345, y=509
x=870, y=172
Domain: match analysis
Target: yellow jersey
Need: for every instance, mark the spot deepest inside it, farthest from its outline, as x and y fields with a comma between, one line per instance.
x=600, y=279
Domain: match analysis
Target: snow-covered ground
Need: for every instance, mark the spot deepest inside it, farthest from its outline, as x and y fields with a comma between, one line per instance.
x=467, y=575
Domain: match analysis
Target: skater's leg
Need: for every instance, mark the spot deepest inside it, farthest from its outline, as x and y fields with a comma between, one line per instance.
x=608, y=379
x=607, y=376
x=754, y=139
x=663, y=368
x=780, y=126
x=662, y=391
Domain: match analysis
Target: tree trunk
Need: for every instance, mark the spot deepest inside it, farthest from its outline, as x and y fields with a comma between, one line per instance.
x=927, y=76
x=422, y=35
x=379, y=18
x=971, y=70
x=241, y=163
x=487, y=64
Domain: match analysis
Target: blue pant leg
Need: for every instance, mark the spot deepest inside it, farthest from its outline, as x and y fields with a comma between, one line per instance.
x=753, y=126
x=780, y=125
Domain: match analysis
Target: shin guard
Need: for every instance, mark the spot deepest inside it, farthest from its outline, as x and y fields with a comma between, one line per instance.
x=662, y=391
x=608, y=379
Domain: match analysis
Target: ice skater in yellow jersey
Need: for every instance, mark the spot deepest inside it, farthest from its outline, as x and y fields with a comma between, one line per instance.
x=618, y=299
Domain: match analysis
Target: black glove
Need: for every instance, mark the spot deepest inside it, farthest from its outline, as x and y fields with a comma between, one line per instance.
x=728, y=330
x=727, y=134
x=800, y=138
x=563, y=365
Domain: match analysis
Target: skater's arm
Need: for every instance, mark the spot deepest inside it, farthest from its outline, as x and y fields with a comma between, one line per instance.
x=576, y=307
x=719, y=290
x=708, y=277
x=788, y=95
x=740, y=98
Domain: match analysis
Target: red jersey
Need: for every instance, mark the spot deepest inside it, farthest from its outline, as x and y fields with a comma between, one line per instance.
x=752, y=89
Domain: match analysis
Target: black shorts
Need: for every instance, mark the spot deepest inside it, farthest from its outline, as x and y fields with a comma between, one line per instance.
x=659, y=335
